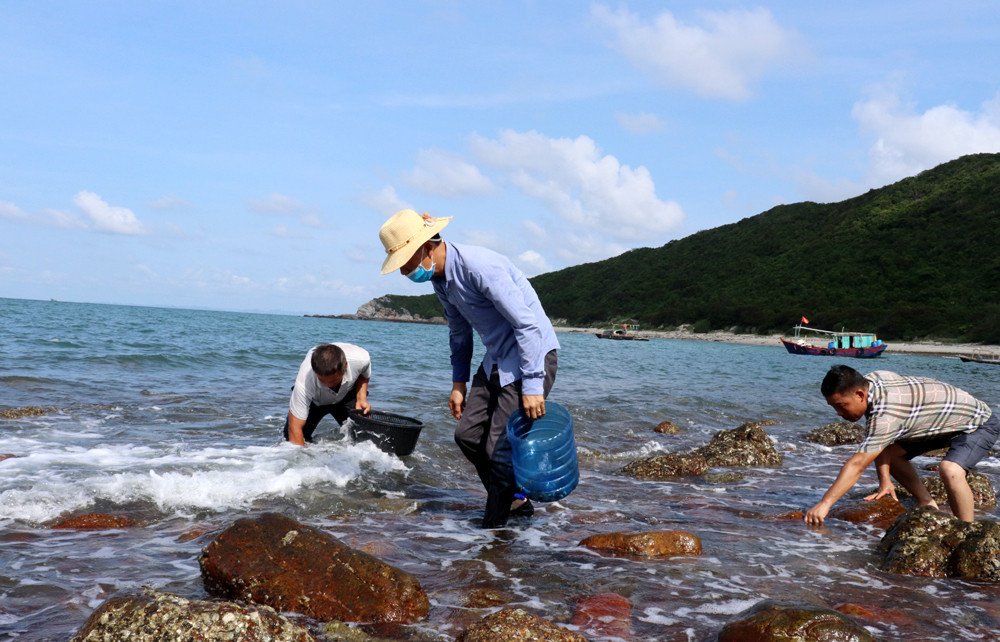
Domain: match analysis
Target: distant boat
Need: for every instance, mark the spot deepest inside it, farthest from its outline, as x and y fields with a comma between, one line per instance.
x=994, y=359
x=861, y=345
x=621, y=333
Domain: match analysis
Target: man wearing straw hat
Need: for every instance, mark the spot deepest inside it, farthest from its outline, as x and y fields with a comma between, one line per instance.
x=483, y=291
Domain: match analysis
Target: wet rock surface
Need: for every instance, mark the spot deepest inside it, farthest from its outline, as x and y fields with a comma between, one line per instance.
x=667, y=428
x=837, y=434
x=647, y=544
x=96, y=522
x=277, y=561
x=665, y=467
x=605, y=615
x=926, y=542
x=153, y=616
x=23, y=411
x=516, y=625
x=774, y=620
x=746, y=446
x=881, y=512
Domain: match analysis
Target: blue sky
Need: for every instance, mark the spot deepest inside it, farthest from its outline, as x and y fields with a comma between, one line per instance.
x=242, y=155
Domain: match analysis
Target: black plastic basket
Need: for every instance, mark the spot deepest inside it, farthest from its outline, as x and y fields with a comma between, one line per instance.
x=392, y=433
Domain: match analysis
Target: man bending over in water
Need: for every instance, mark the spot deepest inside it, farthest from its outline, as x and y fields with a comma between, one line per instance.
x=908, y=416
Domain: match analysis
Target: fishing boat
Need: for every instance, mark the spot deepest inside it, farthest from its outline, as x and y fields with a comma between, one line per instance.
x=861, y=345
x=623, y=332
x=977, y=358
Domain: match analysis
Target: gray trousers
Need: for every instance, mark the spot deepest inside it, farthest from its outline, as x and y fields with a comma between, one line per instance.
x=482, y=436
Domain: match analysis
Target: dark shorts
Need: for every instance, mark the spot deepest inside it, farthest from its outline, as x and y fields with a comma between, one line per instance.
x=964, y=448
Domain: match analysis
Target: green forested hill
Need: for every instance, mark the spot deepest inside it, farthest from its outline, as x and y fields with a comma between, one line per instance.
x=919, y=258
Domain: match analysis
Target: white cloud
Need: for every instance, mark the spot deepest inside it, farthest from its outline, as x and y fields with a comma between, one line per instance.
x=531, y=262
x=908, y=142
x=108, y=218
x=640, y=123
x=12, y=212
x=720, y=58
x=276, y=204
x=64, y=219
x=583, y=186
x=446, y=174
x=384, y=201
x=169, y=202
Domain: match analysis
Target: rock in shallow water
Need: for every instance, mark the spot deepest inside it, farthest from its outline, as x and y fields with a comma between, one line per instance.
x=746, y=446
x=793, y=622
x=96, y=522
x=152, y=616
x=836, y=434
x=290, y=566
x=926, y=542
x=665, y=467
x=515, y=625
x=881, y=512
x=648, y=544
x=607, y=615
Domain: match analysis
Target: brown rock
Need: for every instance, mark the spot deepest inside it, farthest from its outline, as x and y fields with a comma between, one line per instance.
x=926, y=542
x=152, y=616
x=23, y=411
x=277, y=561
x=837, y=434
x=746, y=446
x=6, y=456
x=774, y=620
x=648, y=544
x=876, y=614
x=606, y=615
x=881, y=512
x=96, y=522
x=515, y=625
x=667, y=428
x=665, y=467
x=486, y=597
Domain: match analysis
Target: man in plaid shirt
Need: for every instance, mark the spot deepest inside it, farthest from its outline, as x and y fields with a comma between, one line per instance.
x=908, y=416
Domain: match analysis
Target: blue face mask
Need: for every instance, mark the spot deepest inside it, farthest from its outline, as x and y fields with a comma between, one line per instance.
x=421, y=274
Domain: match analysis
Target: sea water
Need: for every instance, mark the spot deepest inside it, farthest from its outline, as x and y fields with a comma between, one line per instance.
x=174, y=418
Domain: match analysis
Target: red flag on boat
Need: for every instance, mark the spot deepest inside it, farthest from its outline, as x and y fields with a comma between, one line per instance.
x=805, y=320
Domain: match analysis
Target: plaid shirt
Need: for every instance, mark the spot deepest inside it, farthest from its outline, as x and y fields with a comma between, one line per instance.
x=903, y=407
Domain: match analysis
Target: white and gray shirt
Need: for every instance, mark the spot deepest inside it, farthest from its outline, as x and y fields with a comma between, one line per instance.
x=308, y=388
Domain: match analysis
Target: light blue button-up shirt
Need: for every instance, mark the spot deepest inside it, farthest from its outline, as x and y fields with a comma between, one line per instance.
x=482, y=290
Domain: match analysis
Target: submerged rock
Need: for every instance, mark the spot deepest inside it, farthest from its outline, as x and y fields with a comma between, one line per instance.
x=152, y=616
x=774, y=620
x=96, y=522
x=515, y=625
x=926, y=542
x=664, y=467
x=606, y=615
x=23, y=411
x=746, y=446
x=881, y=512
x=667, y=428
x=278, y=561
x=647, y=544
x=837, y=434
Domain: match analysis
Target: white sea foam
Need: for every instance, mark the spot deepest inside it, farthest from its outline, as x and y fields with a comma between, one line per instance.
x=47, y=483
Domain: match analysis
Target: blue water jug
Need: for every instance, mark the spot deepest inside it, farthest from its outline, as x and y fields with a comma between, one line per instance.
x=544, y=453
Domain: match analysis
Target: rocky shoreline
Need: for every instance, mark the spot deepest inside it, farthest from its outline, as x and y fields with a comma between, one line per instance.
x=373, y=311
x=274, y=578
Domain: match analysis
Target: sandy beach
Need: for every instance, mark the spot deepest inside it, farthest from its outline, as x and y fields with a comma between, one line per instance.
x=939, y=348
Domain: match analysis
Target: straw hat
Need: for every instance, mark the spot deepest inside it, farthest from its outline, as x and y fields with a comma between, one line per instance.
x=404, y=233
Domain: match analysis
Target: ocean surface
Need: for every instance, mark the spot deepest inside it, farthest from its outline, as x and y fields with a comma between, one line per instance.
x=174, y=418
